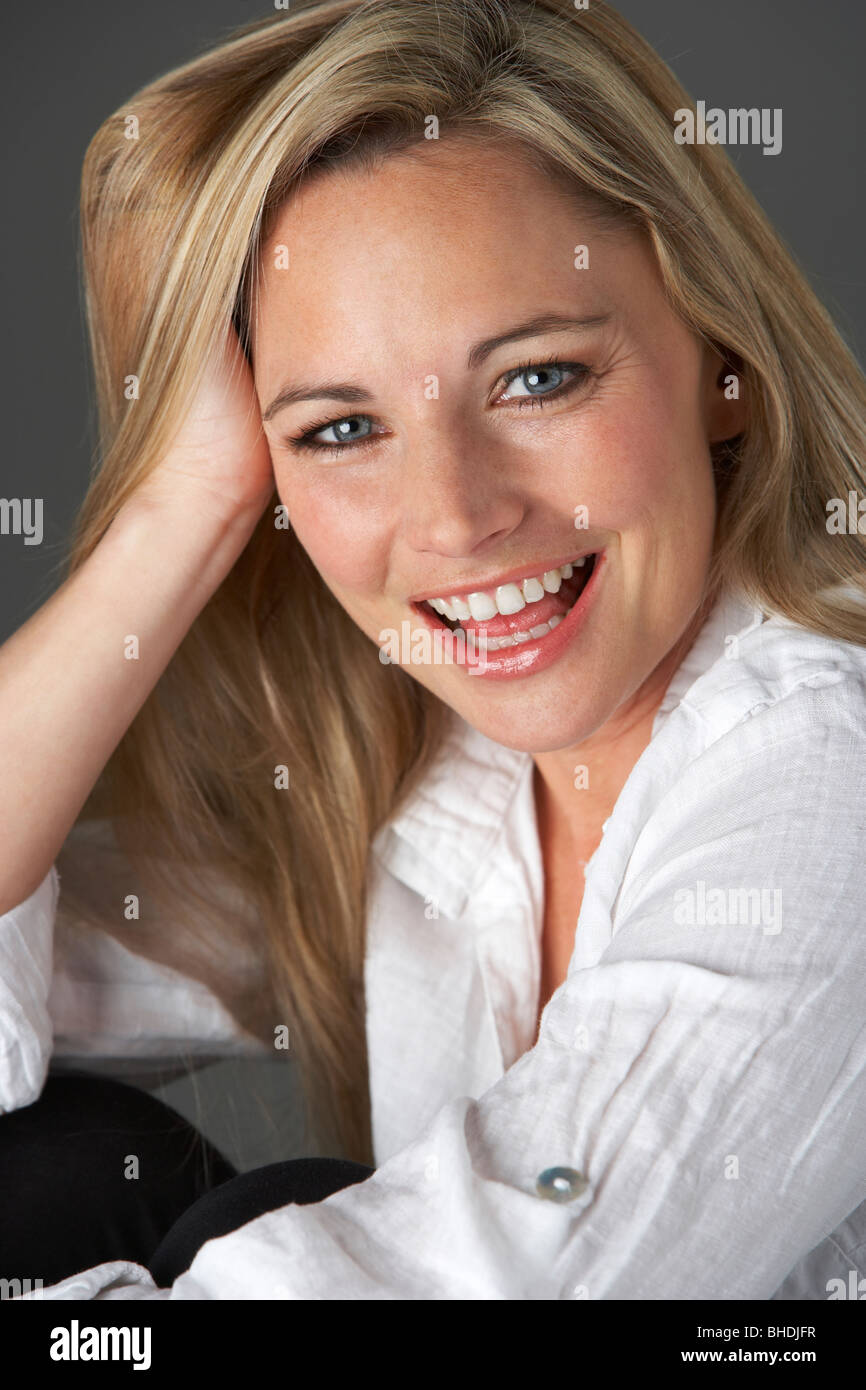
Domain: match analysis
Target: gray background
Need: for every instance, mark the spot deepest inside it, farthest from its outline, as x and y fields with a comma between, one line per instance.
x=66, y=67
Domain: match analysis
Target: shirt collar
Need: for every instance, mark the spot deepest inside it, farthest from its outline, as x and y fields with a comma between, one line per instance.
x=731, y=619
x=440, y=842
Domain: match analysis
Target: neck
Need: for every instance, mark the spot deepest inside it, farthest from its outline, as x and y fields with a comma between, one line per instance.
x=576, y=788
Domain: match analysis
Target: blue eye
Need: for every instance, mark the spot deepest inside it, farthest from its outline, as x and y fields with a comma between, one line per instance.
x=346, y=430
x=541, y=375
x=546, y=381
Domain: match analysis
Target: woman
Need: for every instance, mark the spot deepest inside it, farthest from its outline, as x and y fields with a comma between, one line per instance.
x=535, y=380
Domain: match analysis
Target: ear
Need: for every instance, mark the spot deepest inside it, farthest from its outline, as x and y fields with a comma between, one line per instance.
x=726, y=410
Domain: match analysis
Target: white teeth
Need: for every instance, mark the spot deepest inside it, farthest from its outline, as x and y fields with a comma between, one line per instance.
x=554, y=622
x=509, y=599
x=482, y=607
x=495, y=644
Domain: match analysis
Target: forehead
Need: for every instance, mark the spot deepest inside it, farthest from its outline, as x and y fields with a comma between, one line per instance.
x=449, y=228
x=466, y=165
x=445, y=186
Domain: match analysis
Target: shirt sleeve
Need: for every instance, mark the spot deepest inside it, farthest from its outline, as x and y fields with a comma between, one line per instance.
x=702, y=1085
x=144, y=986
x=26, y=947
x=111, y=1003
x=77, y=996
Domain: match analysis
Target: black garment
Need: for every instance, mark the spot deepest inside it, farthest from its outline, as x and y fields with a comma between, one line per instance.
x=245, y=1197
x=66, y=1202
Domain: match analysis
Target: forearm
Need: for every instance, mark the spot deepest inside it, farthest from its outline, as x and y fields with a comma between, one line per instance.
x=75, y=675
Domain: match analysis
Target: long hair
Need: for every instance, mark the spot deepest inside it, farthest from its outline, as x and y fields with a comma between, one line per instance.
x=273, y=672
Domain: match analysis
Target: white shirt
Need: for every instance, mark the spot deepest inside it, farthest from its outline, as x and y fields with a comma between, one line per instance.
x=702, y=1070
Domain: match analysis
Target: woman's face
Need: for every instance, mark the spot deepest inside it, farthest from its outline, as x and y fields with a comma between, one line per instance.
x=475, y=443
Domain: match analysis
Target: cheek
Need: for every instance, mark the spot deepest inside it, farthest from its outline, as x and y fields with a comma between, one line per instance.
x=648, y=466
x=348, y=547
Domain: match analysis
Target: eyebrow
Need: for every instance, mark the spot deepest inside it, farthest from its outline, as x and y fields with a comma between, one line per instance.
x=478, y=353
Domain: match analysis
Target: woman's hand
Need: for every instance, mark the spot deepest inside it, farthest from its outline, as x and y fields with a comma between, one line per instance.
x=219, y=462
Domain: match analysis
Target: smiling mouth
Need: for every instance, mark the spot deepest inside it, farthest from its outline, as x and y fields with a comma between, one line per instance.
x=514, y=613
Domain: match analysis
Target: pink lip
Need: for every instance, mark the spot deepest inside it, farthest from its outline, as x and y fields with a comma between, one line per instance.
x=541, y=652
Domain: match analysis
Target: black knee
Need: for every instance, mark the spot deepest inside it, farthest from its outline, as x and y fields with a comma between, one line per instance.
x=95, y=1170
x=245, y=1197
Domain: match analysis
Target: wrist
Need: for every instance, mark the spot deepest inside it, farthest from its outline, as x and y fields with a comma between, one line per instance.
x=190, y=548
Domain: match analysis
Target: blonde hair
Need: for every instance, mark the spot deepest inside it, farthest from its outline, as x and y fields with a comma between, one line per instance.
x=274, y=671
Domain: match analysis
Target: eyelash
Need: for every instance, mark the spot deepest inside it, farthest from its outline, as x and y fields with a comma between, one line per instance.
x=307, y=441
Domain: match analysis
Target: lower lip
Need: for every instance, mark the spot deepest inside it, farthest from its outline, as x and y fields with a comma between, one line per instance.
x=528, y=658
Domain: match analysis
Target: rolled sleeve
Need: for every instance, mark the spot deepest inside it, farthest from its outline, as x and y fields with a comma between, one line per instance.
x=26, y=1031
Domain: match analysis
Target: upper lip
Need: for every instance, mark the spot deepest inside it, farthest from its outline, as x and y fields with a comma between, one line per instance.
x=514, y=576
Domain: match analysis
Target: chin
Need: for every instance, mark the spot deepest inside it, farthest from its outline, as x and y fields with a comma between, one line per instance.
x=532, y=726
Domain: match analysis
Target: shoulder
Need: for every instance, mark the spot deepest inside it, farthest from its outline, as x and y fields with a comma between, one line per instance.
x=752, y=792
x=761, y=754
x=774, y=683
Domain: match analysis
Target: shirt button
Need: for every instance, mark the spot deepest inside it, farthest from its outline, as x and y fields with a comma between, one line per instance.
x=560, y=1184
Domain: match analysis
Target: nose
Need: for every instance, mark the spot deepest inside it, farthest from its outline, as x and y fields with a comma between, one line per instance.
x=459, y=496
